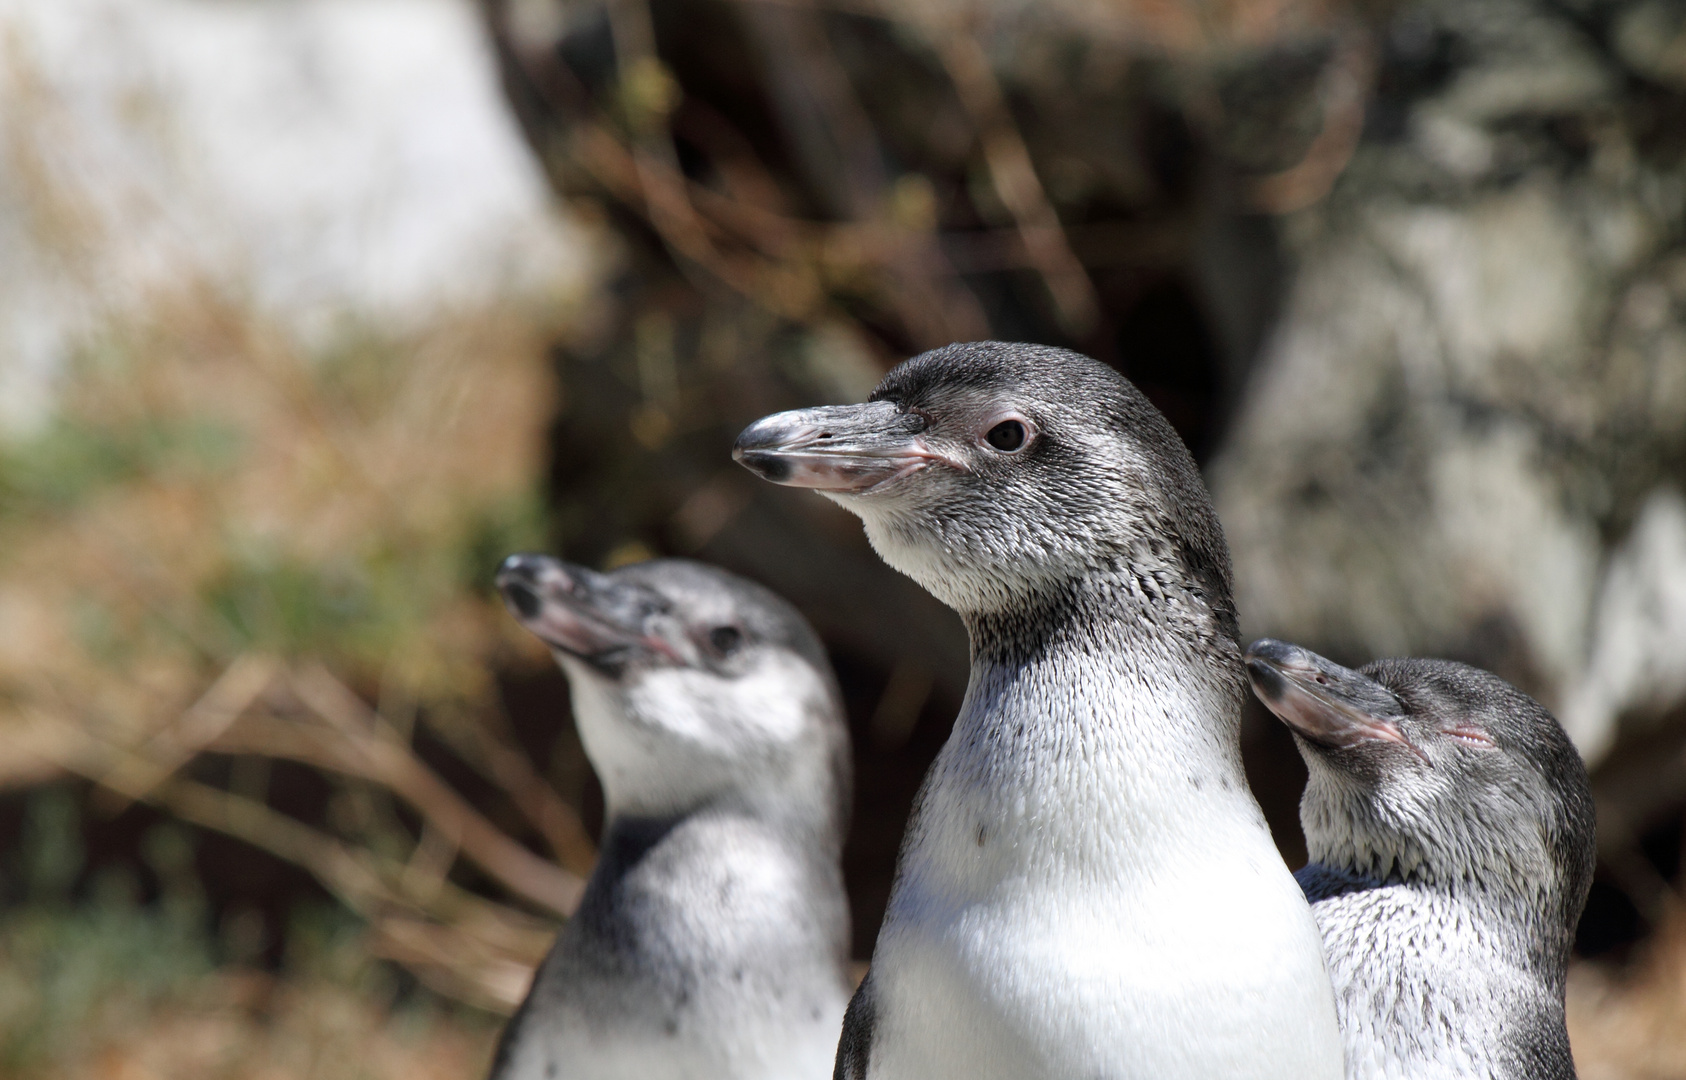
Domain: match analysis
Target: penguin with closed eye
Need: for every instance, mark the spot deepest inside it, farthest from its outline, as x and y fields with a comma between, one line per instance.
x=1450, y=831
x=1086, y=888
x=712, y=939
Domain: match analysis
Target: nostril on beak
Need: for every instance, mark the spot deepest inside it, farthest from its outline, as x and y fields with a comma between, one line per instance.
x=524, y=600
x=517, y=565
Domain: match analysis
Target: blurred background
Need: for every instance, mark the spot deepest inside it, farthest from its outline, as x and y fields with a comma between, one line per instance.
x=312, y=310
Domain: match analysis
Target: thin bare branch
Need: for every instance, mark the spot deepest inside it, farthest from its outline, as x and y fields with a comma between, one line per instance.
x=475, y=967
x=538, y=802
x=655, y=160
x=460, y=964
x=471, y=948
x=1013, y=174
x=835, y=140
x=220, y=705
x=368, y=748
x=344, y=872
x=1346, y=93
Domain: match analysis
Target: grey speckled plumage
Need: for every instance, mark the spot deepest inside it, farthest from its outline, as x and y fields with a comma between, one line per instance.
x=711, y=943
x=1086, y=887
x=1450, y=827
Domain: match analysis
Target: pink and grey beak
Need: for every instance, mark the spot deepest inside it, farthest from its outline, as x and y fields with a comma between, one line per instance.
x=1323, y=702
x=579, y=611
x=842, y=449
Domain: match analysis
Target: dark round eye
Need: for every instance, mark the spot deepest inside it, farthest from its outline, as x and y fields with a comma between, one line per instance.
x=1006, y=436
x=725, y=639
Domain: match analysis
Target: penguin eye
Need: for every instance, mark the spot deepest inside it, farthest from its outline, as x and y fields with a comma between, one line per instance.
x=725, y=639
x=1008, y=436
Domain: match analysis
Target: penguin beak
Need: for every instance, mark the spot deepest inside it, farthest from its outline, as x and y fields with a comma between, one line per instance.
x=581, y=612
x=1321, y=701
x=841, y=449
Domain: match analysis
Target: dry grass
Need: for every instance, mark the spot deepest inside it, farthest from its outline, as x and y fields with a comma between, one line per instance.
x=235, y=540
x=112, y=990
x=226, y=545
x=247, y=1027
x=227, y=542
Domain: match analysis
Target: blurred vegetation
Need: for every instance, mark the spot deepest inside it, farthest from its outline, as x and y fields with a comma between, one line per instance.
x=1630, y=1024
x=96, y=982
x=224, y=551
x=109, y=986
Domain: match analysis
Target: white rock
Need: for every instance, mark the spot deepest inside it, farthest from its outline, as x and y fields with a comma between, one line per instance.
x=322, y=158
x=1637, y=663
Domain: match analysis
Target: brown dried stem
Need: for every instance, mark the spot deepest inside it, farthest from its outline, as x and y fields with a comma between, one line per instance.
x=461, y=944
x=233, y=692
x=1346, y=93
x=485, y=955
x=366, y=746
x=496, y=760
x=777, y=261
x=1013, y=174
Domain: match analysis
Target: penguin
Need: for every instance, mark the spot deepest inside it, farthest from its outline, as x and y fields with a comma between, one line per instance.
x=1086, y=887
x=712, y=939
x=1450, y=828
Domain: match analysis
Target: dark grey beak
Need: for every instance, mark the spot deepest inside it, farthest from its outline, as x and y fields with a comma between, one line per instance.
x=847, y=449
x=593, y=616
x=1322, y=701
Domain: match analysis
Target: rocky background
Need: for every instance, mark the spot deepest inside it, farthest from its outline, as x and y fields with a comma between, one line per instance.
x=317, y=307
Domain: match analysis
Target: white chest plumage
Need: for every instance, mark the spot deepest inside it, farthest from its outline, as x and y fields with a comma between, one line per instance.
x=1424, y=987
x=1076, y=903
x=741, y=1047
x=708, y=960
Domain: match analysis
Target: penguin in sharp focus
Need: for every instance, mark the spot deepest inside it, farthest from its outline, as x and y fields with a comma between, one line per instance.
x=712, y=939
x=1450, y=829
x=1086, y=888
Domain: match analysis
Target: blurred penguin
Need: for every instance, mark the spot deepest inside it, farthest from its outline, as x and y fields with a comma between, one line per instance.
x=712, y=940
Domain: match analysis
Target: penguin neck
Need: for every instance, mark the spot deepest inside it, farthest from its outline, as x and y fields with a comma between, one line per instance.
x=1167, y=647
x=656, y=778
x=1461, y=854
x=627, y=838
x=672, y=893
x=1107, y=708
x=810, y=824
x=1517, y=920
x=699, y=844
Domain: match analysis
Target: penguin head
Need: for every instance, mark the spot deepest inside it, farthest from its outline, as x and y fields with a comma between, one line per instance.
x=1433, y=771
x=991, y=472
x=690, y=686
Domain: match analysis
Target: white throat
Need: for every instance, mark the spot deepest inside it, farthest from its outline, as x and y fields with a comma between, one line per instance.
x=1095, y=764
x=668, y=741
